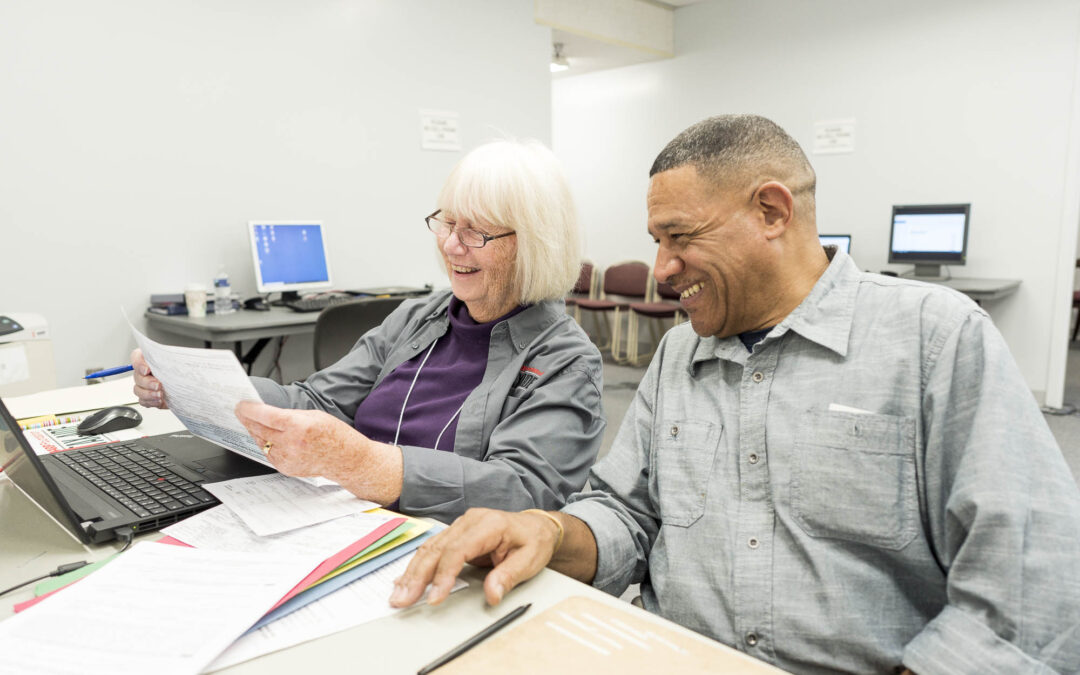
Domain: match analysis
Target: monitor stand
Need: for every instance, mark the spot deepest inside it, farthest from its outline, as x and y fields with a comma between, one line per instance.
x=286, y=296
x=928, y=273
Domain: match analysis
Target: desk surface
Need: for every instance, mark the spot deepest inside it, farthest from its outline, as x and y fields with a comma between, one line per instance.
x=239, y=325
x=978, y=289
x=33, y=544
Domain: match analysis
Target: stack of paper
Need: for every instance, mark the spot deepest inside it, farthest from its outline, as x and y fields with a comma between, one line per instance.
x=339, y=542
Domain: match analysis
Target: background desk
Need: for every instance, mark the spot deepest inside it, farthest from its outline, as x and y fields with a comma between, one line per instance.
x=236, y=327
x=979, y=290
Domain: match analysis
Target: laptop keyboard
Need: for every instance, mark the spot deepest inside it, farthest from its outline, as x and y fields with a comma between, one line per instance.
x=136, y=476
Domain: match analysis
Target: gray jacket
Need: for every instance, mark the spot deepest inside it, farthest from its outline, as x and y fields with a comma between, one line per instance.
x=522, y=442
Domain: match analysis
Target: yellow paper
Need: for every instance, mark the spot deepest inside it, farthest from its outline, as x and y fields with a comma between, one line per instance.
x=418, y=527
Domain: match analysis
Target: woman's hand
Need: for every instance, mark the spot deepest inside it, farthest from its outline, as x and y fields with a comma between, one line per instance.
x=315, y=443
x=147, y=388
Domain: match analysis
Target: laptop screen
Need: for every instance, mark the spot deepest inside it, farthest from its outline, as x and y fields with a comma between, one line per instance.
x=24, y=469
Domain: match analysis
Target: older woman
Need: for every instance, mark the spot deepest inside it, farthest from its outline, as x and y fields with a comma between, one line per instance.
x=484, y=395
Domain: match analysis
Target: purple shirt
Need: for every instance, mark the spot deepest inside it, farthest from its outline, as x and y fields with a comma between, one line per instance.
x=448, y=372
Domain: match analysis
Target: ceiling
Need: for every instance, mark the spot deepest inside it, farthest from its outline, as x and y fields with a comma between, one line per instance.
x=586, y=54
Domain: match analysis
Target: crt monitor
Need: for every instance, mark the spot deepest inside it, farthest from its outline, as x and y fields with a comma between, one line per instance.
x=290, y=256
x=929, y=236
x=840, y=241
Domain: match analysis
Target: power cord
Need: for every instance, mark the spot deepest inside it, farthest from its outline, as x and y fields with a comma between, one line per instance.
x=126, y=536
x=62, y=569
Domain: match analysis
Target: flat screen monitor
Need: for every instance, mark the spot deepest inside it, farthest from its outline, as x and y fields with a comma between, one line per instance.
x=290, y=256
x=929, y=236
x=840, y=241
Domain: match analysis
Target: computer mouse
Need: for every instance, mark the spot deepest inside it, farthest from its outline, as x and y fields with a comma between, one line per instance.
x=110, y=419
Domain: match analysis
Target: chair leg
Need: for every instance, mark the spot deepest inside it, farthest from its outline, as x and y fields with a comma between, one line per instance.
x=616, y=337
x=632, y=337
x=1076, y=329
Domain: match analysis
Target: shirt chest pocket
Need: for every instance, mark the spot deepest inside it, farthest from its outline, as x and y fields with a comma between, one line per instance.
x=853, y=478
x=684, y=457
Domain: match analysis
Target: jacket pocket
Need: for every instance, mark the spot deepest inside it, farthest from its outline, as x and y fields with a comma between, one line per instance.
x=853, y=478
x=685, y=454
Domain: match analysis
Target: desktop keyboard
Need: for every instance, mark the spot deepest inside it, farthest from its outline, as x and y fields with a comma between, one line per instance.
x=317, y=303
x=136, y=476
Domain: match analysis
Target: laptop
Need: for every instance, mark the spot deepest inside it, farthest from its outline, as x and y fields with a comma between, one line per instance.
x=136, y=486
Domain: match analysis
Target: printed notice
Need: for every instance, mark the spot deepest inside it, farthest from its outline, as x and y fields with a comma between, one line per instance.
x=834, y=136
x=439, y=130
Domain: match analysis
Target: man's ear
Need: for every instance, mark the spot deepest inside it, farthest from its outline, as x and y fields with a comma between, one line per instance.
x=777, y=207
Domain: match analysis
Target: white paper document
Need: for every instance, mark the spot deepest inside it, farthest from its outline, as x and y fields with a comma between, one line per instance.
x=202, y=388
x=365, y=599
x=117, y=391
x=156, y=609
x=278, y=503
x=220, y=529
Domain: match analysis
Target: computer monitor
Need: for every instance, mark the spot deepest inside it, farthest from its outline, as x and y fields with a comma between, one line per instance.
x=290, y=256
x=840, y=241
x=929, y=236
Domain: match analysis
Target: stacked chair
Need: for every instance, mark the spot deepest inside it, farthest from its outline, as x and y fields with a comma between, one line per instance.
x=587, y=287
x=622, y=284
x=664, y=305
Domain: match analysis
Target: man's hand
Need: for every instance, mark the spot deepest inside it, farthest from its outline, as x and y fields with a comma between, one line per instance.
x=518, y=545
x=315, y=443
x=147, y=388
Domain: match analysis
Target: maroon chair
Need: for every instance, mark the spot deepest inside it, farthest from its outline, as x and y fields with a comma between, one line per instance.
x=1076, y=305
x=665, y=305
x=622, y=284
x=586, y=286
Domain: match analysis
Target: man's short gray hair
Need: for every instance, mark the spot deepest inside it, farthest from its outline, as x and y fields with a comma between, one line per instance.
x=733, y=148
x=520, y=185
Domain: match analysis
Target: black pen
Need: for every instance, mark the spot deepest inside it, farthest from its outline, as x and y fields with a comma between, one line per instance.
x=473, y=641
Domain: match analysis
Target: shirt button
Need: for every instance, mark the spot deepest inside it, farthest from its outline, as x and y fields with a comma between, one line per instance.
x=416, y=345
x=753, y=458
x=751, y=638
x=674, y=431
x=753, y=542
x=757, y=376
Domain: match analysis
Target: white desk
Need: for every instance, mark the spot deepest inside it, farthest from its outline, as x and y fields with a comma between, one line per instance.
x=979, y=290
x=32, y=544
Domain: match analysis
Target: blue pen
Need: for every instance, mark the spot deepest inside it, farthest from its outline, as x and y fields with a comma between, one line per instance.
x=109, y=371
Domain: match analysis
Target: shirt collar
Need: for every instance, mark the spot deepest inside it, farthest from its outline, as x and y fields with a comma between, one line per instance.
x=824, y=316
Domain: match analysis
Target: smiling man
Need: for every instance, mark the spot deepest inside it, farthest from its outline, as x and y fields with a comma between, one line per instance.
x=827, y=469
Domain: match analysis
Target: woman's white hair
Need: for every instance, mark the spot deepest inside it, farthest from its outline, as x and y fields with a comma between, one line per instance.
x=520, y=185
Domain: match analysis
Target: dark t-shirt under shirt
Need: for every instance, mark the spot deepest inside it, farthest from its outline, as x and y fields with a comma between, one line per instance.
x=454, y=366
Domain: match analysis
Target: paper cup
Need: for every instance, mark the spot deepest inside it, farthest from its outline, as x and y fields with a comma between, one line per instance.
x=195, y=299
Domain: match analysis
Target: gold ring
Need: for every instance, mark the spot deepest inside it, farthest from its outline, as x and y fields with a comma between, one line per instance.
x=266, y=448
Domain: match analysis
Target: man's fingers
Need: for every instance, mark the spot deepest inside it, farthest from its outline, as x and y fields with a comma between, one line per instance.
x=520, y=564
x=421, y=569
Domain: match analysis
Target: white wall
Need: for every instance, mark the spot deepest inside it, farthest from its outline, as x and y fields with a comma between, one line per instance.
x=138, y=137
x=964, y=101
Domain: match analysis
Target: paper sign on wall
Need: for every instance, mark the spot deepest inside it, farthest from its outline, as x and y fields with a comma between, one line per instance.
x=834, y=136
x=439, y=130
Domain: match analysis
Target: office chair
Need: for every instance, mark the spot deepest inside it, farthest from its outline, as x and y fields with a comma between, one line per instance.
x=627, y=282
x=664, y=305
x=339, y=326
x=1076, y=305
x=586, y=287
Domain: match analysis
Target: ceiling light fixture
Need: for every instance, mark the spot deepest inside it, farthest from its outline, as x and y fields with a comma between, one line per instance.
x=558, y=61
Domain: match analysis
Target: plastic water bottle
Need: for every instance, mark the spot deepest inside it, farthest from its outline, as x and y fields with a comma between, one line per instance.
x=222, y=294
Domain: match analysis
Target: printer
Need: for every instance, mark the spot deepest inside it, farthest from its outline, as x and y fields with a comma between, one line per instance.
x=26, y=354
